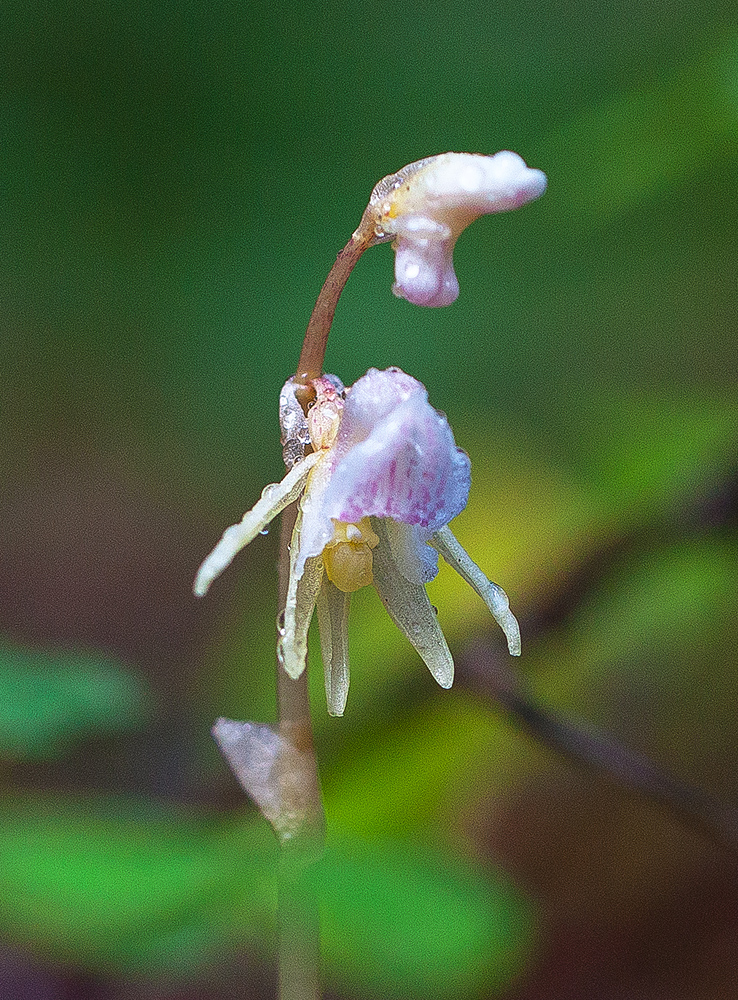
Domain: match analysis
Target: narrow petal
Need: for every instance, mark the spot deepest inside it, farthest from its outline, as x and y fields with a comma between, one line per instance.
x=409, y=608
x=274, y=499
x=302, y=594
x=493, y=596
x=317, y=527
x=333, y=609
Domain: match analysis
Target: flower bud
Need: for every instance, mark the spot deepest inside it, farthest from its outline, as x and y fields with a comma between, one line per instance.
x=427, y=205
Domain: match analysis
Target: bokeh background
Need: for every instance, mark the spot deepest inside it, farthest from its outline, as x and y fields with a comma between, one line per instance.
x=176, y=179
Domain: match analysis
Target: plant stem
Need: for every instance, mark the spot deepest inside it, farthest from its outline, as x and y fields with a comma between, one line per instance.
x=299, y=929
x=299, y=932
x=310, y=364
x=293, y=717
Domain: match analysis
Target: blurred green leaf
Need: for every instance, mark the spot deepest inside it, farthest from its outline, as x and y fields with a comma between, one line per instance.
x=419, y=765
x=49, y=699
x=120, y=885
x=660, y=601
x=87, y=883
x=658, y=454
x=412, y=922
x=625, y=150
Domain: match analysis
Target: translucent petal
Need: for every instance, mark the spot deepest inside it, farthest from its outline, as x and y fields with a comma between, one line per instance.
x=302, y=593
x=274, y=499
x=295, y=434
x=493, y=596
x=409, y=608
x=402, y=463
x=317, y=527
x=369, y=400
x=333, y=610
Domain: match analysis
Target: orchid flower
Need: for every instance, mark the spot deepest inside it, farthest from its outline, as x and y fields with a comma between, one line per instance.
x=425, y=206
x=378, y=477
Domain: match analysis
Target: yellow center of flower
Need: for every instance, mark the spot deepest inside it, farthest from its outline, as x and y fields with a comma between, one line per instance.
x=348, y=556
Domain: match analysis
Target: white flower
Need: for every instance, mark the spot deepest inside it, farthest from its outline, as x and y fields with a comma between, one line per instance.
x=377, y=491
x=426, y=205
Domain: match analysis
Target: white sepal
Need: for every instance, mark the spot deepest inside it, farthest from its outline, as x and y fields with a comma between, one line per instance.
x=302, y=594
x=410, y=609
x=274, y=498
x=493, y=595
x=333, y=610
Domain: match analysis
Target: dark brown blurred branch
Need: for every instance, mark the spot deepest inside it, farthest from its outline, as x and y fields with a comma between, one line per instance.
x=600, y=753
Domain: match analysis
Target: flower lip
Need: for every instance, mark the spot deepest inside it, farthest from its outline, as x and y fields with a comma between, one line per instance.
x=394, y=457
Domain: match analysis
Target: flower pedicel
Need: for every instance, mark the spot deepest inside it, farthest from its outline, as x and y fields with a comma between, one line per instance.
x=374, y=467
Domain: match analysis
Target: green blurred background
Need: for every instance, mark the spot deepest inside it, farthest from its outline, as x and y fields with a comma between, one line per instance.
x=176, y=180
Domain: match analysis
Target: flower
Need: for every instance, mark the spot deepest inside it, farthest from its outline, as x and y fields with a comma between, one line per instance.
x=426, y=205
x=377, y=490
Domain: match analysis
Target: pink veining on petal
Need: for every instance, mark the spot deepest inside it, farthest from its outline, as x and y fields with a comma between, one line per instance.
x=396, y=456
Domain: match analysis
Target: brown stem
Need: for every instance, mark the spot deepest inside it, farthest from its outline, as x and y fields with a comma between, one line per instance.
x=300, y=795
x=298, y=919
x=301, y=788
x=310, y=364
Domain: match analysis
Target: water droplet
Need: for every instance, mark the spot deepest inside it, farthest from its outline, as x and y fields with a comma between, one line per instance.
x=281, y=630
x=264, y=531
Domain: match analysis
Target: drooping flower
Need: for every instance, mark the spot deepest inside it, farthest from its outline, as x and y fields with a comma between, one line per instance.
x=425, y=206
x=377, y=490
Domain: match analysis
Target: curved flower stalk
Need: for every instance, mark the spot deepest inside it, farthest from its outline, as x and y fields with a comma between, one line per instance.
x=426, y=206
x=377, y=491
